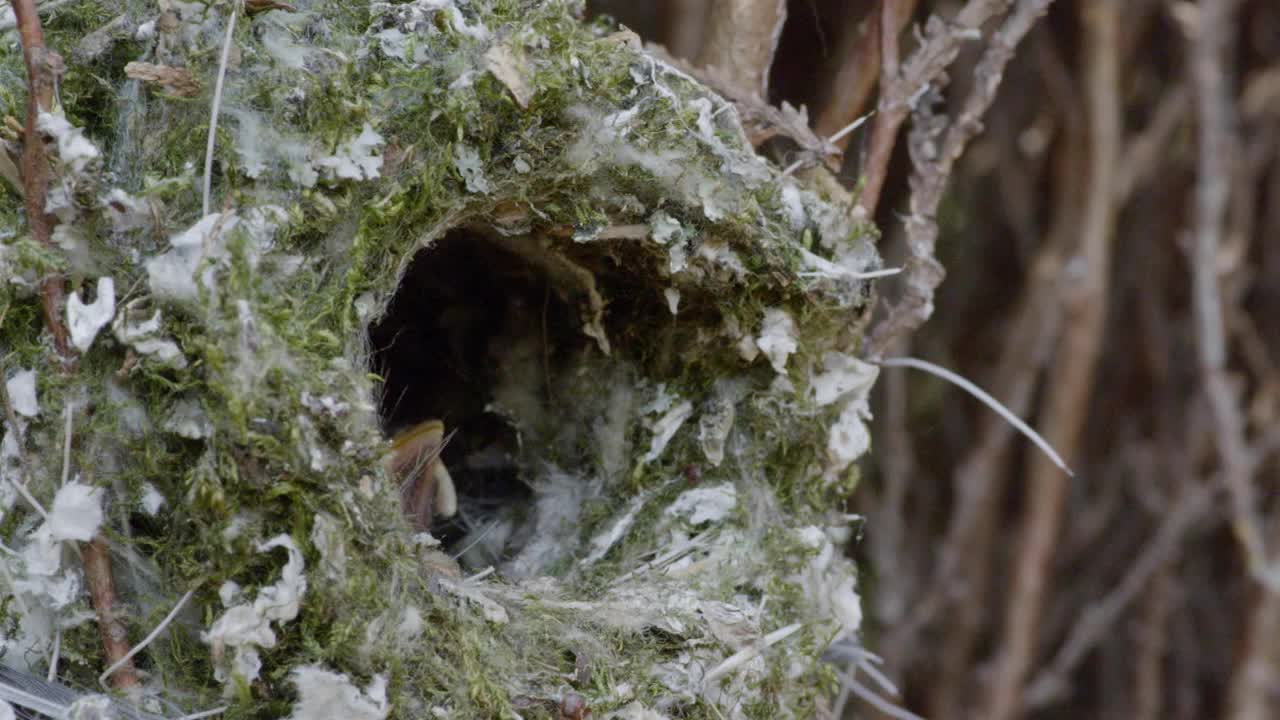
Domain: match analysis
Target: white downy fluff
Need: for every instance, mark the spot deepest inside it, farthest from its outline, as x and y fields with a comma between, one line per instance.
x=76, y=513
x=171, y=274
x=22, y=393
x=326, y=536
x=326, y=695
x=74, y=150
x=151, y=500
x=187, y=419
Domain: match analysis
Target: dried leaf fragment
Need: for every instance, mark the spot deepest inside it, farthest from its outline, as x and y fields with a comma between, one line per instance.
x=255, y=7
x=178, y=81
x=505, y=65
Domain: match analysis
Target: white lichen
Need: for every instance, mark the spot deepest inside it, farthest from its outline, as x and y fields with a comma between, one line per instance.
x=710, y=504
x=355, y=158
x=245, y=627
x=172, y=274
x=141, y=328
x=470, y=166
x=84, y=321
x=777, y=339
x=665, y=427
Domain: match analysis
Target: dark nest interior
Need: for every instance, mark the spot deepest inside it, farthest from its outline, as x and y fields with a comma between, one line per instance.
x=460, y=304
x=475, y=309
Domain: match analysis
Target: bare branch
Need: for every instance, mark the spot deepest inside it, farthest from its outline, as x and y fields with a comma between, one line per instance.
x=42, y=69
x=43, y=65
x=102, y=591
x=741, y=37
x=1099, y=618
x=933, y=167
x=901, y=89
x=1072, y=376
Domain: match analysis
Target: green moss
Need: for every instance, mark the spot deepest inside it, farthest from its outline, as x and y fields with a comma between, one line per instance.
x=261, y=338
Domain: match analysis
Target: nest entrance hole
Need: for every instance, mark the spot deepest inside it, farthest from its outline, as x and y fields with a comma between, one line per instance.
x=463, y=306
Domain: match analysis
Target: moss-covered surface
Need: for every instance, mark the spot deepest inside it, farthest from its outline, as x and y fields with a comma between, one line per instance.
x=352, y=136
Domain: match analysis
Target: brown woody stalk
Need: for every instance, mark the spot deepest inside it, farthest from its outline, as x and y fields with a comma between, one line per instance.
x=900, y=88
x=1251, y=693
x=933, y=165
x=1071, y=378
x=859, y=70
x=42, y=65
x=741, y=38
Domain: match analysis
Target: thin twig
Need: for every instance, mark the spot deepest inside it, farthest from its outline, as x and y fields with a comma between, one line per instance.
x=115, y=639
x=856, y=76
x=986, y=399
x=1099, y=618
x=102, y=679
x=745, y=655
x=1215, y=113
x=1153, y=644
x=808, y=157
x=66, y=443
x=53, y=659
x=932, y=165
x=901, y=88
x=204, y=713
x=213, y=111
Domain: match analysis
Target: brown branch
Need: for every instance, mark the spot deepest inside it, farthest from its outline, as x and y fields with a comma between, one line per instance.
x=963, y=571
x=933, y=166
x=683, y=26
x=1070, y=382
x=1253, y=679
x=42, y=64
x=1153, y=644
x=1099, y=619
x=901, y=88
x=1254, y=676
x=961, y=577
x=1145, y=154
x=859, y=68
x=741, y=37
x=42, y=67
x=115, y=639
x=855, y=75
x=1217, y=151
